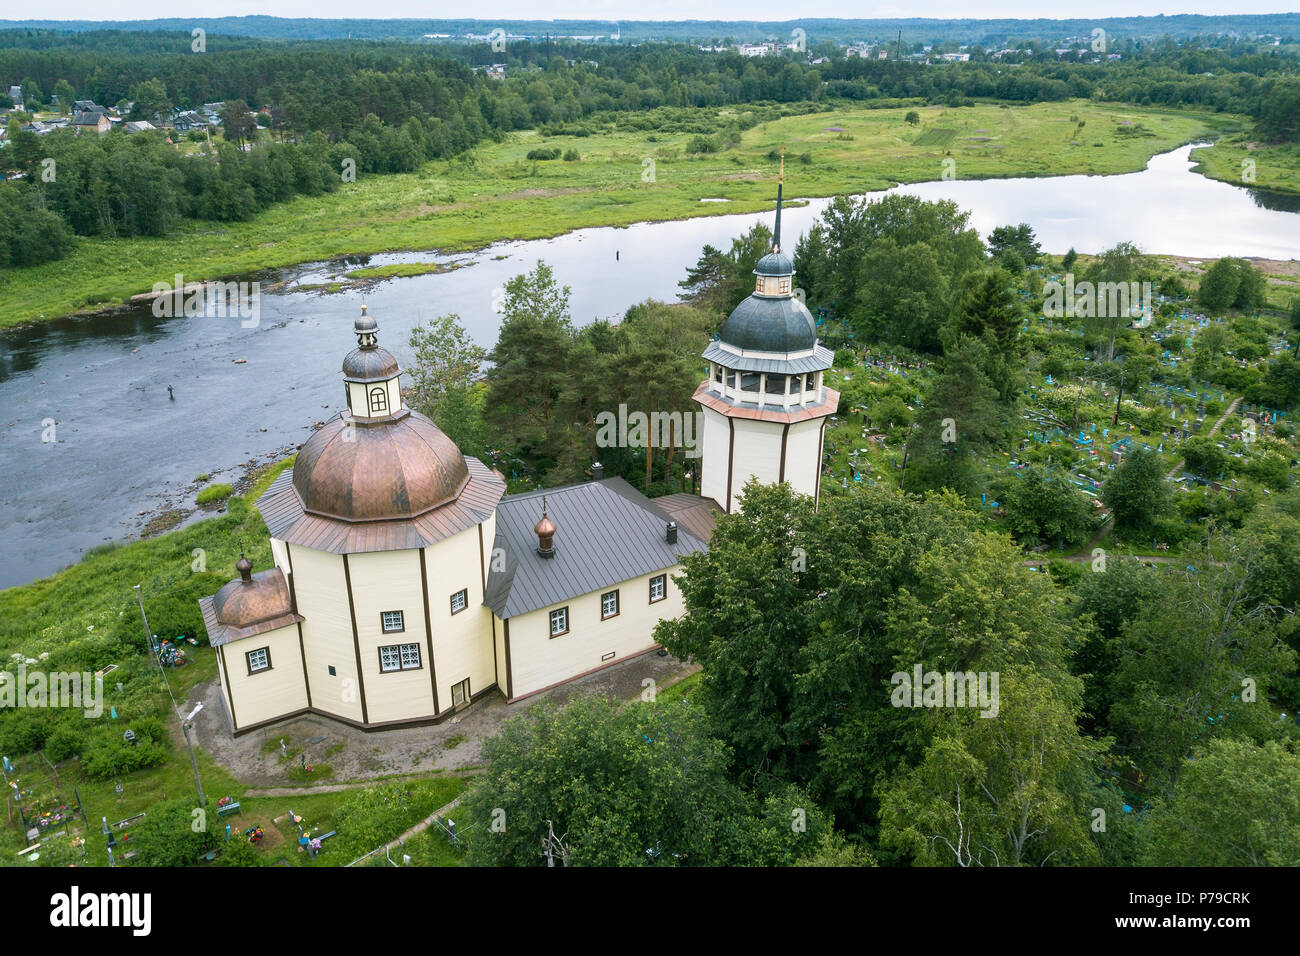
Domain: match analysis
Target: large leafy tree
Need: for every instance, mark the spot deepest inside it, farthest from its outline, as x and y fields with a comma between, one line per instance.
x=1123, y=263
x=1042, y=505
x=1198, y=663
x=890, y=265
x=529, y=370
x=1018, y=239
x=443, y=380
x=800, y=617
x=961, y=418
x=1237, y=804
x=1010, y=790
x=1136, y=492
x=635, y=785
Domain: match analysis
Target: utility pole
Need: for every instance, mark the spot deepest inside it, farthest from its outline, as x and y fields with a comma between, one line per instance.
x=185, y=721
x=186, y=724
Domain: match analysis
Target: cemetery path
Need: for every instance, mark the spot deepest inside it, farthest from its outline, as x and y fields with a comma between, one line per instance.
x=1085, y=552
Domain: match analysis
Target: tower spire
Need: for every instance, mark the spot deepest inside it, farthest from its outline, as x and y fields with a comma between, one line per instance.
x=776, y=233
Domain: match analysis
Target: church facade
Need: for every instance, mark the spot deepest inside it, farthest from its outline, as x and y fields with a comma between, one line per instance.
x=406, y=584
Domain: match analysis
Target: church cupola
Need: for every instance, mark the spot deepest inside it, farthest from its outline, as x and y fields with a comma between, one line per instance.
x=765, y=404
x=371, y=374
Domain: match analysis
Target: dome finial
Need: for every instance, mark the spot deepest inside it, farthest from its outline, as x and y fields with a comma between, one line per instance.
x=366, y=327
x=245, y=568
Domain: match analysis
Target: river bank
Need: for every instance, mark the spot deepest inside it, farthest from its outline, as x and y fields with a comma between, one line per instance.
x=622, y=178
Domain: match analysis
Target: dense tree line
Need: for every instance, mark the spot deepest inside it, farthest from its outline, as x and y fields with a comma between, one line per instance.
x=388, y=107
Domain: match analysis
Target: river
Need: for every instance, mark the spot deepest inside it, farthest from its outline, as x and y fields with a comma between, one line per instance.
x=125, y=452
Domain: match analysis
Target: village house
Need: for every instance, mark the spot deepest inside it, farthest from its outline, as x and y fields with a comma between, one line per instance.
x=406, y=584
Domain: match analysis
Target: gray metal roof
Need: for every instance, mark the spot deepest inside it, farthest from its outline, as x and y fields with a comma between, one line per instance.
x=821, y=359
x=774, y=264
x=767, y=324
x=607, y=532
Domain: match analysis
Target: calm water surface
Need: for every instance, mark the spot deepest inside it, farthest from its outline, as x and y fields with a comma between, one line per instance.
x=123, y=447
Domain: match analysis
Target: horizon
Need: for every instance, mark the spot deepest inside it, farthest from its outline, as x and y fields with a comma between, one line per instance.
x=764, y=11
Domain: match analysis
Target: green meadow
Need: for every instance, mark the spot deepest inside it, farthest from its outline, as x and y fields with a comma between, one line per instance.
x=622, y=176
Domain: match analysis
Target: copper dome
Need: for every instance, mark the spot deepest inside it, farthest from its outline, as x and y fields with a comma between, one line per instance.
x=247, y=601
x=369, y=364
x=397, y=469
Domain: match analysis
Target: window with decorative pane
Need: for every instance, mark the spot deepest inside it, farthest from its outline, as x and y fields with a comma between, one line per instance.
x=559, y=621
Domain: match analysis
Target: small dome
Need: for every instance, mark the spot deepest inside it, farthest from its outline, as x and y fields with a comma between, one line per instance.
x=774, y=264
x=247, y=601
x=365, y=322
x=399, y=469
x=762, y=324
x=372, y=364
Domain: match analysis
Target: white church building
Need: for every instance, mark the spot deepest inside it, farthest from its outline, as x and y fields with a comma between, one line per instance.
x=407, y=584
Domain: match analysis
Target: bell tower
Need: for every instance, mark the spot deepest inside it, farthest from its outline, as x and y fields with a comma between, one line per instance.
x=765, y=405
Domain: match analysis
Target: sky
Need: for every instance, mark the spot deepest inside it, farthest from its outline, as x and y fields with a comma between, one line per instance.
x=642, y=9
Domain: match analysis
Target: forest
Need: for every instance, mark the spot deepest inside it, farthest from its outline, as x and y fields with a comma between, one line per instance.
x=389, y=107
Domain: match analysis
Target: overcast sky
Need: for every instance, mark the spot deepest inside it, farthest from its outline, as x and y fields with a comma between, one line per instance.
x=639, y=9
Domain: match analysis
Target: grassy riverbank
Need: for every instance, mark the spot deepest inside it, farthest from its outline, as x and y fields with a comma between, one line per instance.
x=621, y=177
x=1243, y=162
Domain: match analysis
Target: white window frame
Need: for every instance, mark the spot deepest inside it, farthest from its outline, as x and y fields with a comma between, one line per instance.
x=399, y=657
x=605, y=615
x=463, y=594
x=662, y=580
x=384, y=622
x=265, y=653
x=561, y=614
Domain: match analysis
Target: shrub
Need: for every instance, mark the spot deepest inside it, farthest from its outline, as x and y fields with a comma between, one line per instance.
x=571, y=156
x=553, y=153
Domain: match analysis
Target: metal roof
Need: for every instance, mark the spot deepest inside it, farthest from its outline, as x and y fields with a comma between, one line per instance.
x=286, y=519
x=821, y=359
x=607, y=533
x=766, y=324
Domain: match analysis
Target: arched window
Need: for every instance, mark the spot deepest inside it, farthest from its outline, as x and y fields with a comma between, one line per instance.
x=378, y=400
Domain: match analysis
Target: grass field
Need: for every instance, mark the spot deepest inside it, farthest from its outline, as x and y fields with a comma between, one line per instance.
x=622, y=177
x=1242, y=162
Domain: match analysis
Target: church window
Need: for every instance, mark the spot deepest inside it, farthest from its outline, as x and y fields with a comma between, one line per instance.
x=783, y=286
x=399, y=657
x=609, y=605
x=560, y=621
x=259, y=660
x=749, y=381
x=460, y=601
x=378, y=400
x=658, y=587
x=392, y=621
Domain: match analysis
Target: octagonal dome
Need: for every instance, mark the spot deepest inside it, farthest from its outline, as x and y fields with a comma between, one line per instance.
x=397, y=469
x=369, y=364
x=764, y=324
x=774, y=264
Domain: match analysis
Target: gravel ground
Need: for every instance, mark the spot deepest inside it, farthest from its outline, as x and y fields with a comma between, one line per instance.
x=454, y=745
